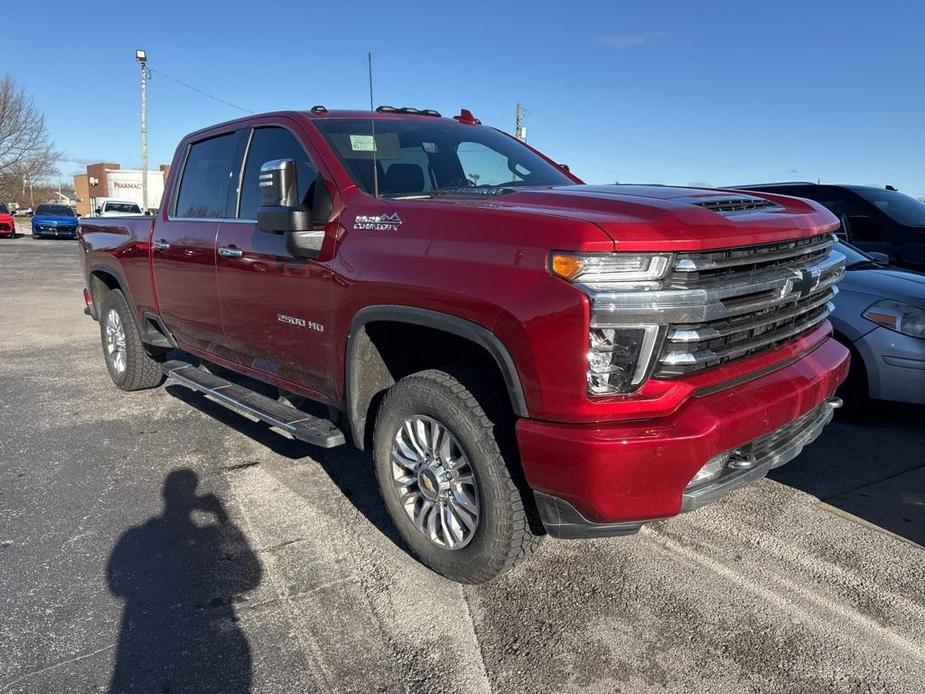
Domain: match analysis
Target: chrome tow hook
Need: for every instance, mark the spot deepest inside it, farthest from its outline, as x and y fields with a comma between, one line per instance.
x=741, y=461
x=834, y=402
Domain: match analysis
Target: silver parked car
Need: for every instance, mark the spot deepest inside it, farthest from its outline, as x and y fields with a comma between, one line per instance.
x=880, y=316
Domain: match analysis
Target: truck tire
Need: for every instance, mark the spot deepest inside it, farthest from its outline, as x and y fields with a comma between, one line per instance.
x=443, y=478
x=129, y=364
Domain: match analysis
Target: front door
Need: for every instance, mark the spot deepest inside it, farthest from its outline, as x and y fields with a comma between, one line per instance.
x=275, y=308
x=184, y=244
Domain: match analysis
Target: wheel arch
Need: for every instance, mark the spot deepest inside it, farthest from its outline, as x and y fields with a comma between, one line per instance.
x=368, y=374
x=152, y=328
x=103, y=276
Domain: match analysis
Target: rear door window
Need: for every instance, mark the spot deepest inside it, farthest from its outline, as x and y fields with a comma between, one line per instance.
x=206, y=177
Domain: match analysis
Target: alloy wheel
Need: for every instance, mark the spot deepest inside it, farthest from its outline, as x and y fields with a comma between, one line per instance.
x=115, y=341
x=435, y=482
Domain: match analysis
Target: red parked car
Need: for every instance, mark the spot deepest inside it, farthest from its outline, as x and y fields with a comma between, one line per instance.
x=7, y=225
x=522, y=354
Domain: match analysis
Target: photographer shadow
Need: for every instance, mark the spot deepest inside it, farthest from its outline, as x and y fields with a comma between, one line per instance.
x=179, y=576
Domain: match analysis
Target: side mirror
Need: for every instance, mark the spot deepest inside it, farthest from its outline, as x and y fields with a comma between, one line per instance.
x=99, y=210
x=281, y=211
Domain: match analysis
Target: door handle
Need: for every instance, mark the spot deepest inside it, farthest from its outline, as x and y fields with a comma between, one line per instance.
x=230, y=252
x=160, y=245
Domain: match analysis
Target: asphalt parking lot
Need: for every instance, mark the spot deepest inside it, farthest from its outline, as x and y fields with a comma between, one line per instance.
x=284, y=574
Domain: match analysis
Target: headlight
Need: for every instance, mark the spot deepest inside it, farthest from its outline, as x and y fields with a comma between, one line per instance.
x=610, y=270
x=619, y=356
x=895, y=315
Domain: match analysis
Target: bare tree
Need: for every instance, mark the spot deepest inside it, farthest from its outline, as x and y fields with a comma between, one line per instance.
x=25, y=146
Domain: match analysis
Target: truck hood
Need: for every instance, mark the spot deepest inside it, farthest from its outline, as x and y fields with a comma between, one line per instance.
x=886, y=283
x=654, y=218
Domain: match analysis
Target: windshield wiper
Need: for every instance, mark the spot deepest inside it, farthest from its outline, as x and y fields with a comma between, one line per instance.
x=485, y=191
x=477, y=191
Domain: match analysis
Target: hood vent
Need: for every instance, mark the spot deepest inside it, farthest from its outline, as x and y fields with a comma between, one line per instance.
x=734, y=205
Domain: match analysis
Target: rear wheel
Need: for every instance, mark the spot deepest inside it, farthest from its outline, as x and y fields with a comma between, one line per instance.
x=129, y=364
x=445, y=482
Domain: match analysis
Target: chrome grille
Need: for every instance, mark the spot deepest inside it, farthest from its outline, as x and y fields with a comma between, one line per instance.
x=718, y=306
x=762, y=319
x=693, y=347
x=692, y=268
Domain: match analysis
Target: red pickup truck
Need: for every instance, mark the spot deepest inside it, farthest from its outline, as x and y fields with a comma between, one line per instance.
x=521, y=353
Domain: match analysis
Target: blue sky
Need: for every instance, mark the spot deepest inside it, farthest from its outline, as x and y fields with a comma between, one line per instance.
x=660, y=92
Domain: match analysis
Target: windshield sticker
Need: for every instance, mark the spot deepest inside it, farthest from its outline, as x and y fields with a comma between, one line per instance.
x=429, y=147
x=362, y=143
x=390, y=221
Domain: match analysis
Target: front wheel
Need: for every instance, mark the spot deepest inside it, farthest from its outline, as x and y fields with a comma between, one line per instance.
x=129, y=364
x=444, y=480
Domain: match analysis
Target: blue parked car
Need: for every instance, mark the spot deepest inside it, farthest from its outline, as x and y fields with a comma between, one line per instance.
x=880, y=316
x=54, y=222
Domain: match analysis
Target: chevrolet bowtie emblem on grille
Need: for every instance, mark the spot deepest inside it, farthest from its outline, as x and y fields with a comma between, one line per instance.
x=803, y=283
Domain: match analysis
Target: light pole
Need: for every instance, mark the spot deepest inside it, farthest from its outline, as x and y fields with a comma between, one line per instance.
x=142, y=57
x=520, y=130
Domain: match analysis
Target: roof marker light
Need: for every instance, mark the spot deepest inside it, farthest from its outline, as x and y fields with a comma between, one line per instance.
x=465, y=116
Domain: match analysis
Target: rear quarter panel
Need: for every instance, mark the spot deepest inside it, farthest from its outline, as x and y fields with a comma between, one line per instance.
x=121, y=248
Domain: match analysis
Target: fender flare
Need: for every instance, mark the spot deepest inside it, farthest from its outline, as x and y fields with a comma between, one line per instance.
x=356, y=411
x=157, y=335
x=120, y=280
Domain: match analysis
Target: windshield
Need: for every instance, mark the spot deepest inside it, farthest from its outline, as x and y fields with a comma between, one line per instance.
x=418, y=156
x=54, y=211
x=125, y=207
x=897, y=206
x=4, y=209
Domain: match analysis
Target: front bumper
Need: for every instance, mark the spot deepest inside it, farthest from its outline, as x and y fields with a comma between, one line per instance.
x=65, y=233
x=595, y=480
x=895, y=365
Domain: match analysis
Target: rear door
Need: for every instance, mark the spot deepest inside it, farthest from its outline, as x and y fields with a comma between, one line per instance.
x=184, y=242
x=275, y=308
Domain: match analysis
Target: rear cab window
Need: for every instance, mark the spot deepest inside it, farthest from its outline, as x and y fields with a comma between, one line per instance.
x=207, y=174
x=123, y=207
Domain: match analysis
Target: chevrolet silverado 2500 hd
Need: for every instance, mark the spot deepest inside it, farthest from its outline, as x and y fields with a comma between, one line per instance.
x=521, y=353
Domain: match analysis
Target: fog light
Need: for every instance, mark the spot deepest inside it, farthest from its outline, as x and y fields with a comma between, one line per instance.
x=710, y=471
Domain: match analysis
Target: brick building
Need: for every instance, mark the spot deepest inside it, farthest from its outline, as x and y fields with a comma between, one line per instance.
x=110, y=180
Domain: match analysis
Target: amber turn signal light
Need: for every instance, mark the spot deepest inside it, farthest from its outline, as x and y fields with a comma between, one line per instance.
x=565, y=266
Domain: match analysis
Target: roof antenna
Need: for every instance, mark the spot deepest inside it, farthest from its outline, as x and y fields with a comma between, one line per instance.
x=372, y=125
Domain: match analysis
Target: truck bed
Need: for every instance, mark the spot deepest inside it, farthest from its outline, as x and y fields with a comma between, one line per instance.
x=119, y=249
